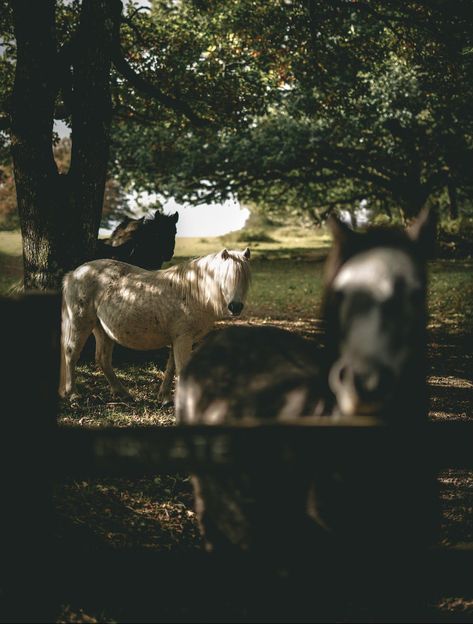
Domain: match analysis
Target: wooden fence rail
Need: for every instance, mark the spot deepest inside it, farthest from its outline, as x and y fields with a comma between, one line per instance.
x=304, y=444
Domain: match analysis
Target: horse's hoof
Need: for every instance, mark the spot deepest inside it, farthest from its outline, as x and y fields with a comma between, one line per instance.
x=165, y=404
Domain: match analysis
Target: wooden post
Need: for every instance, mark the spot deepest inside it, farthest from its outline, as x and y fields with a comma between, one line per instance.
x=29, y=338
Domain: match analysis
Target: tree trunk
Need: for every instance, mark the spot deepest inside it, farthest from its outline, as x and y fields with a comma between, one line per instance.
x=60, y=214
x=91, y=119
x=453, y=197
x=32, y=119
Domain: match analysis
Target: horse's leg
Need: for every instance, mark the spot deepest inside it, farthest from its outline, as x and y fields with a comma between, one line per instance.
x=164, y=395
x=65, y=336
x=181, y=349
x=62, y=372
x=103, y=357
x=73, y=341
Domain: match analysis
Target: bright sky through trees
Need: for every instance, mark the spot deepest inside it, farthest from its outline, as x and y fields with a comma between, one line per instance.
x=208, y=219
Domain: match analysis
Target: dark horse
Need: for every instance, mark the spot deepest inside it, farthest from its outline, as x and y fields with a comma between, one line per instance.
x=373, y=364
x=145, y=242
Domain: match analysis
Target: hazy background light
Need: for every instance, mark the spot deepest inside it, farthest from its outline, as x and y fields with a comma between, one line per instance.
x=360, y=217
x=208, y=219
x=194, y=221
x=62, y=129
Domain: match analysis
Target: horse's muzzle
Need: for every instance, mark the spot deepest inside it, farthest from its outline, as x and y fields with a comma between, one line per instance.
x=235, y=308
x=365, y=390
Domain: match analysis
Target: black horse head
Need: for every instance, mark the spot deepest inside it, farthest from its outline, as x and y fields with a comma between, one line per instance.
x=145, y=242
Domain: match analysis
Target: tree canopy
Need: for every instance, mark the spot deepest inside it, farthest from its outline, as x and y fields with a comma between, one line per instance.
x=296, y=105
x=336, y=102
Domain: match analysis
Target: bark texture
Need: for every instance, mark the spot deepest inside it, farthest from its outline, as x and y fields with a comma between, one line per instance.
x=60, y=214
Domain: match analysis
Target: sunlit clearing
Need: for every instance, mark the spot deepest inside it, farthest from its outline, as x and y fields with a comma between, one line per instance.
x=208, y=219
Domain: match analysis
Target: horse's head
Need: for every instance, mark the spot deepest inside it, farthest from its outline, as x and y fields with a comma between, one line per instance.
x=236, y=279
x=157, y=238
x=166, y=233
x=375, y=314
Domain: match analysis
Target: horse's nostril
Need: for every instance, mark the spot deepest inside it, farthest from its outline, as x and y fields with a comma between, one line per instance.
x=373, y=384
x=235, y=307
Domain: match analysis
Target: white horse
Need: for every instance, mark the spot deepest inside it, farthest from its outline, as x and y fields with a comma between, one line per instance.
x=145, y=310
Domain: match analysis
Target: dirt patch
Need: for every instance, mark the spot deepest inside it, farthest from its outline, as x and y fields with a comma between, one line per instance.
x=144, y=514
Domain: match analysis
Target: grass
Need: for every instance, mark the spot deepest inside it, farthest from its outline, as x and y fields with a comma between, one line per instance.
x=287, y=275
x=281, y=243
x=10, y=243
x=451, y=296
x=285, y=288
x=11, y=264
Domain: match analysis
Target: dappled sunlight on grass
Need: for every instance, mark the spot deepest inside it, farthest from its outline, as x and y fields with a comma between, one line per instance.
x=97, y=408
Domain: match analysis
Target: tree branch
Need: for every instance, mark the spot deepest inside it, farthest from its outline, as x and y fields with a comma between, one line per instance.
x=137, y=10
x=141, y=84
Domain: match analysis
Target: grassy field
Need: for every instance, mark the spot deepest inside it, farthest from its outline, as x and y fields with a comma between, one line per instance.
x=286, y=290
x=11, y=265
x=287, y=276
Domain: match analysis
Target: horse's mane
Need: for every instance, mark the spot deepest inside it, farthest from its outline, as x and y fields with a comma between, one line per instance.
x=201, y=279
x=129, y=228
x=124, y=231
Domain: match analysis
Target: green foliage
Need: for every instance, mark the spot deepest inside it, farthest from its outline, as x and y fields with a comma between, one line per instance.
x=7, y=70
x=349, y=101
x=226, y=59
x=307, y=106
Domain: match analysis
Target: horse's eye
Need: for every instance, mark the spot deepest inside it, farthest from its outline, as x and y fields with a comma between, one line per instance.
x=360, y=303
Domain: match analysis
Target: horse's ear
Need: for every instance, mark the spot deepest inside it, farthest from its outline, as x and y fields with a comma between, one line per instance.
x=224, y=254
x=247, y=253
x=342, y=234
x=175, y=217
x=423, y=230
